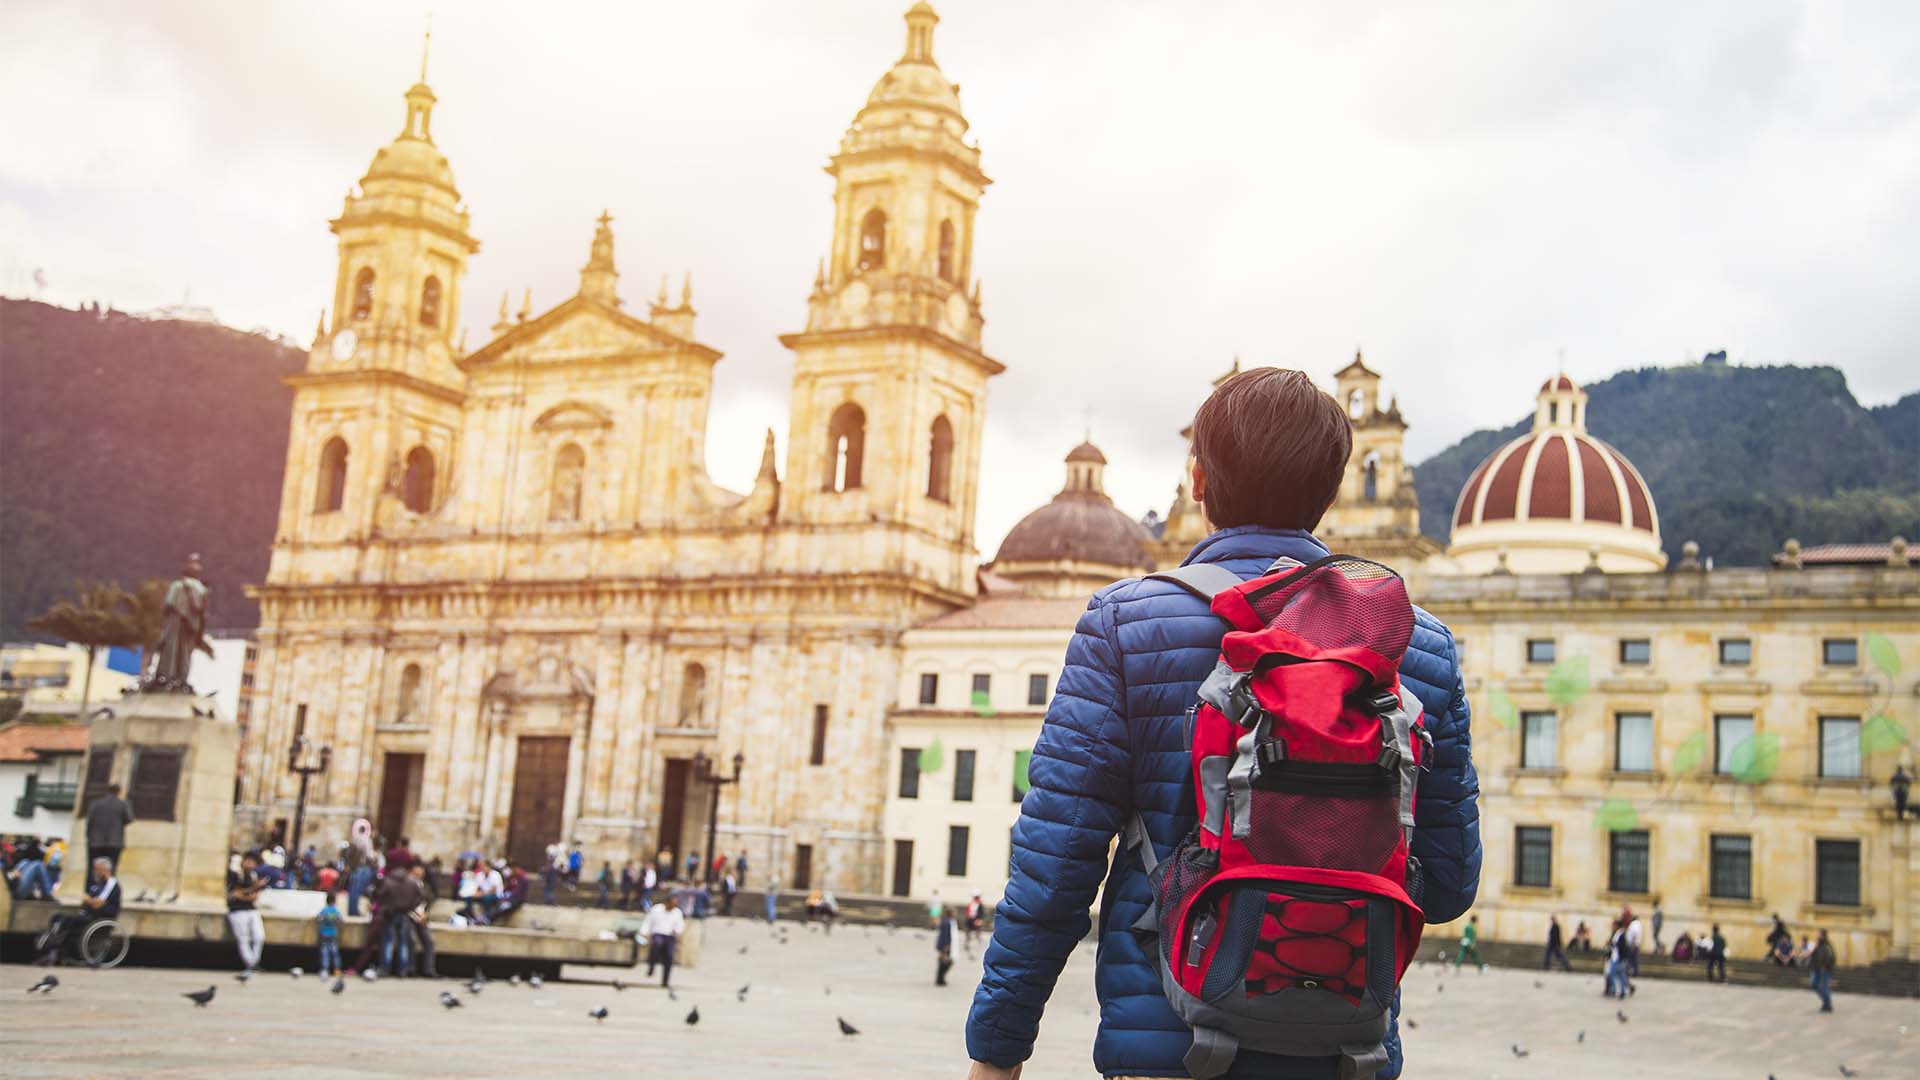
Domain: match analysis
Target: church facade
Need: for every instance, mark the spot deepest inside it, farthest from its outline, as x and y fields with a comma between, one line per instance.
x=504, y=590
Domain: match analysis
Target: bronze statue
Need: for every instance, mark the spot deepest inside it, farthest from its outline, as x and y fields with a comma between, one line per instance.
x=183, y=631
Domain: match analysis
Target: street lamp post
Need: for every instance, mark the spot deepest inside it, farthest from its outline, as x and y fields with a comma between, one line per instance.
x=703, y=769
x=298, y=763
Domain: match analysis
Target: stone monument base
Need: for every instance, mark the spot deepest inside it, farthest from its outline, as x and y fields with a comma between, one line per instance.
x=173, y=756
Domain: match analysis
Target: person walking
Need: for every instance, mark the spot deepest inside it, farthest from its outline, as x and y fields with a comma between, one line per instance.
x=740, y=869
x=327, y=929
x=773, y=899
x=1717, y=955
x=243, y=917
x=107, y=821
x=1634, y=935
x=976, y=915
x=628, y=882
x=1659, y=920
x=943, y=949
x=1271, y=451
x=1901, y=783
x=662, y=928
x=1555, y=951
x=363, y=864
x=729, y=888
x=649, y=880
x=605, y=881
x=1821, y=980
x=1470, y=944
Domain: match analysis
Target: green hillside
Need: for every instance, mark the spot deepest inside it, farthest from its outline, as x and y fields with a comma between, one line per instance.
x=127, y=443
x=1739, y=458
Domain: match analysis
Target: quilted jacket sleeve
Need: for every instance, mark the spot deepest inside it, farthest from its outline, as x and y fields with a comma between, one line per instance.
x=1446, y=834
x=1078, y=801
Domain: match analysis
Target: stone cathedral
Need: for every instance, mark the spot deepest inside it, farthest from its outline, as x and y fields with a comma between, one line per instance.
x=508, y=596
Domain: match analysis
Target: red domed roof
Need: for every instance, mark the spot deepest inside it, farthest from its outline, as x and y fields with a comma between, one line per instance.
x=1558, y=382
x=1556, y=473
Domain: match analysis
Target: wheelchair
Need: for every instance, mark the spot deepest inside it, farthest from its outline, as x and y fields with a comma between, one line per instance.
x=101, y=943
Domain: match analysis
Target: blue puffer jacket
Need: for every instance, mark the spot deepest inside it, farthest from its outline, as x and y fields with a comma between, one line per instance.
x=1113, y=744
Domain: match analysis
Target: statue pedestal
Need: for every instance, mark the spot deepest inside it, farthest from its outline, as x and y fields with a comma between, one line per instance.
x=173, y=756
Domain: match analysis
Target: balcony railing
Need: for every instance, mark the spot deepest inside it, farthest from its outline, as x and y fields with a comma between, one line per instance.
x=46, y=796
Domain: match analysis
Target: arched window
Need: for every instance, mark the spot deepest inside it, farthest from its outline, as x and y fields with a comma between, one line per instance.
x=409, y=701
x=332, y=492
x=846, y=442
x=873, y=241
x=1371, y=484
x=417, y=489
x=693, y=696
x=430, y=303
x=947, y=268
x=1357, y=405
x=363, y=295
x=940, y=460
x=569, y=479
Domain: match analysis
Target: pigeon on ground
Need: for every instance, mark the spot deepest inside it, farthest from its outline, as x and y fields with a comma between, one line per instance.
x=369, y=974
x=44, y=986
x=1537, y=984
x=200, y=997
x=694, y=1016
x=1582, y=1037
x=1844, y=1071
x=1519, y=1051
x=671, y=996
x=1412, y=1024
x=880, y=949
x=513, y=980
x=598, y=1014
x=1439, y=988
x=743, y=950
x=846, y=1028
x=243, y=975
x=742, y=992
x=475, y=986
x=449, y=1001
x=339, y=985
x=829, y=991
x=618, y=986
x=1620, y=1015
x=535, y=981
x=144, y=896
x=296, y=972
x=171, y=899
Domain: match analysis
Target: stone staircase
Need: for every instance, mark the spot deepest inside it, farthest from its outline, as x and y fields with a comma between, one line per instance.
x=1888, y=978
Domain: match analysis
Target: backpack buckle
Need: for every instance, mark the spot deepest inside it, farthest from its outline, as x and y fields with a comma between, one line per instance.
x=1270, y=753
x=1383, y=702
x=1245, y=709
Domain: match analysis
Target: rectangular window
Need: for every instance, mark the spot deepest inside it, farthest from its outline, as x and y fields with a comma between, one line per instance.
x=957, y=851
x=1537, y=737
x=99, y=775
x=817, y=755
x=156, y=780
x=1533, y=856
x=1729, y=731
x=1838, y=870
x=1636, y=651
x=1022, y=760
x=929, y=688
x=982, y=689
x=963, y=776
x=1839, y=652
x=1539, y=650
x=1730, y=875
x=1633, y=742
x=1840, y=746
x=909, y=772
x=299, y=721
x=1627, y=861
x=1736, y=652
x=1036, y=689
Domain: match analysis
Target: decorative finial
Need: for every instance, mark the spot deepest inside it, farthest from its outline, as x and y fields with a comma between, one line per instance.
x=920, y=23
x=662, y=302
x=526, y=305
x=686, y=291
x=425, y=44
x=503, y=305
x=820, y=274
x=605, y=219
x=766, y=459
x=320, y=331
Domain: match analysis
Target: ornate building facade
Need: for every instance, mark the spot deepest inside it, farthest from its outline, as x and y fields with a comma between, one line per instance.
x=504, y=589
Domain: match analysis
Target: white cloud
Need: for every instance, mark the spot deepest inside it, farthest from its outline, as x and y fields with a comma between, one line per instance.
x=1462, y=190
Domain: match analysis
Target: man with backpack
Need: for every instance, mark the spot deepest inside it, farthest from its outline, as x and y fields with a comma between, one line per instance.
x=1328, y=716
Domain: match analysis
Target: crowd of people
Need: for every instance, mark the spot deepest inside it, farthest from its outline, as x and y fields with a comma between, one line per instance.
x=1628, y=934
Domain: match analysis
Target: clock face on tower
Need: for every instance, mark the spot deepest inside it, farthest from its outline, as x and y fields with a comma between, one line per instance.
x=344, y=343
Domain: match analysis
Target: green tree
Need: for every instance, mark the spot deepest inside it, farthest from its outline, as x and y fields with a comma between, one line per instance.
x=101, y=615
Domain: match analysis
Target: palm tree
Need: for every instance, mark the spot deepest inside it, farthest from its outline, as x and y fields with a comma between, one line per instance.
x=101, y=615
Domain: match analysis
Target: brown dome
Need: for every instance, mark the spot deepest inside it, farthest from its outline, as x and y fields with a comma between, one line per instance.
x=1611, y=490
x=1086, y=451
x=1077, y=526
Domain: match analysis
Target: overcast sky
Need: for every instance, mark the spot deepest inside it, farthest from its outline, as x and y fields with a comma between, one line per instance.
x=1462, y=190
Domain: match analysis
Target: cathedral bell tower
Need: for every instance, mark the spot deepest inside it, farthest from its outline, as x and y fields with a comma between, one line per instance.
x=376, y=412
x=889, y=381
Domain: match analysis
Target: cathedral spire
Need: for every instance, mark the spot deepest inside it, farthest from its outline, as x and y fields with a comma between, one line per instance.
x=598, y=278
x=767, y=470
x=920, y=23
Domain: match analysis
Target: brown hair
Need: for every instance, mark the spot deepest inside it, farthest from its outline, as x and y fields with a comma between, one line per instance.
x=1272, y=448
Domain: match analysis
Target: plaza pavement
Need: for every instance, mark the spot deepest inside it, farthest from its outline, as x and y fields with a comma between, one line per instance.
x=132, y=1022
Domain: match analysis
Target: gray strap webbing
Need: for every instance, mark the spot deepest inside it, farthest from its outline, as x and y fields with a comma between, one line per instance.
x=1204, y=580
x=1212, y=1053
x=1135, y=836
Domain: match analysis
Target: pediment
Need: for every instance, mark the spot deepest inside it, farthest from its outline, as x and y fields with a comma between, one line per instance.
x=577, y=330
x=569, y=415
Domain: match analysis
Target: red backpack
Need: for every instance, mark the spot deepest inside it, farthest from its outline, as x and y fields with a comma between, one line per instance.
x=1288, y=915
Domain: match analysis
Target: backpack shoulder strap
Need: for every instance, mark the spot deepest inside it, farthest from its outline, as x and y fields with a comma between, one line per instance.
x=1204, y=580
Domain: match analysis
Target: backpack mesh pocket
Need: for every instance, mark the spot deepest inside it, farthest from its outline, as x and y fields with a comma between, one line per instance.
x=1190, y=868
